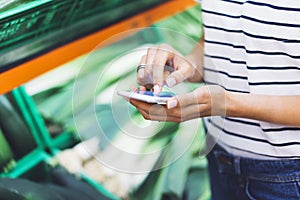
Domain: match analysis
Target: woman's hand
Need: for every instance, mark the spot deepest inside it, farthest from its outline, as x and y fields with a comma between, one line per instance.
x=155, y=75
x=204, y=101
x=214, y=100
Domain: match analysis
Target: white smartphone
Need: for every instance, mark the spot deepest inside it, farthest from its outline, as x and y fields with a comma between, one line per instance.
x=148, y=96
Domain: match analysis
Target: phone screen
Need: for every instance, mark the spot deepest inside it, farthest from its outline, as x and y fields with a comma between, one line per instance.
x=148, y=96
x=162, y=94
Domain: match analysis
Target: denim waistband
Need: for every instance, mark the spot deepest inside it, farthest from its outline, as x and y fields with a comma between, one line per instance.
x=270, y=170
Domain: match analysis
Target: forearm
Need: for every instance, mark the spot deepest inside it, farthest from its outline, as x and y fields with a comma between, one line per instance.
x=274, y=109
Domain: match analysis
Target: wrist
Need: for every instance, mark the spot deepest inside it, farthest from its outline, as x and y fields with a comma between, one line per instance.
x=233, y=104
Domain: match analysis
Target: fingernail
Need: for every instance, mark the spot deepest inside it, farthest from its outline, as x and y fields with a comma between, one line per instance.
x=156, y=89
x=170, y=82
x=142, y=89
x=171, y=103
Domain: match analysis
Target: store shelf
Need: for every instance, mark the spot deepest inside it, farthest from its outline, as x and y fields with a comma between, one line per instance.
x=27, y=163
x=22, y=73
x=37, y=126
x=36, y=27
x=15, y=71
x=40, y=161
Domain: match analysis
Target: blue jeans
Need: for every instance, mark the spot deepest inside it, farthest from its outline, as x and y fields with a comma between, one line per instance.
x=236, y=178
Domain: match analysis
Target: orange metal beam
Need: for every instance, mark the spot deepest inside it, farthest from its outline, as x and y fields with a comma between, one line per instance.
x=33, y=68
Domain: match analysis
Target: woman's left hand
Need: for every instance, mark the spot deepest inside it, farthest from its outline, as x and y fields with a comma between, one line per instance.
x=202, y=102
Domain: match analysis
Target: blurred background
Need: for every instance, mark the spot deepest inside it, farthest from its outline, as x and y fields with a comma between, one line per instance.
x=64, y=132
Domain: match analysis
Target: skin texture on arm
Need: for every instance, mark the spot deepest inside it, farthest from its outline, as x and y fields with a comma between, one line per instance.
x=283, y=110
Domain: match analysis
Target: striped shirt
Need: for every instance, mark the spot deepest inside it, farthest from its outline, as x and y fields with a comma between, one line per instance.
x=253, y=46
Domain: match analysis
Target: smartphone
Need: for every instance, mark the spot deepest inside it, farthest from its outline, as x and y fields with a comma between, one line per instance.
x=147, y=96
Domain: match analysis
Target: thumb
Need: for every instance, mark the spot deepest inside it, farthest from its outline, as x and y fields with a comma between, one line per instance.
x=183, y=100
x=174, y=78
x=179, y=76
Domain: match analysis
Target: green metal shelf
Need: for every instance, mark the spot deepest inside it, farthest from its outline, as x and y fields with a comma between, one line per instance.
x=27, y=163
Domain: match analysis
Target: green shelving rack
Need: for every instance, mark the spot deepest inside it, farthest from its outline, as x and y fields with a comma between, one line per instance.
x=34, y=28
x=40, y=26
x=47, y=147
x=37, y=125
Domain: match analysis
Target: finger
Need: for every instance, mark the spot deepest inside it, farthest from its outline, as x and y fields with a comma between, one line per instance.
x=166, y=74
x=147, y=80
x=176, y=115
x=141, y=72
x=185, y=71
x=151, y=51
x=140, y=104
x=168, y=118
x=148, y=86
x=143, y=89
x=144, y=76
x=144, y=113
x=162, y=56
x=161, y=110
x=158, y=117
x=160, y=113
x=149, y=58
x=149, y=111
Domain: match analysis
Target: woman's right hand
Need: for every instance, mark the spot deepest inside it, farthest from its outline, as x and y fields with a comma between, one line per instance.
x=154, y=73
